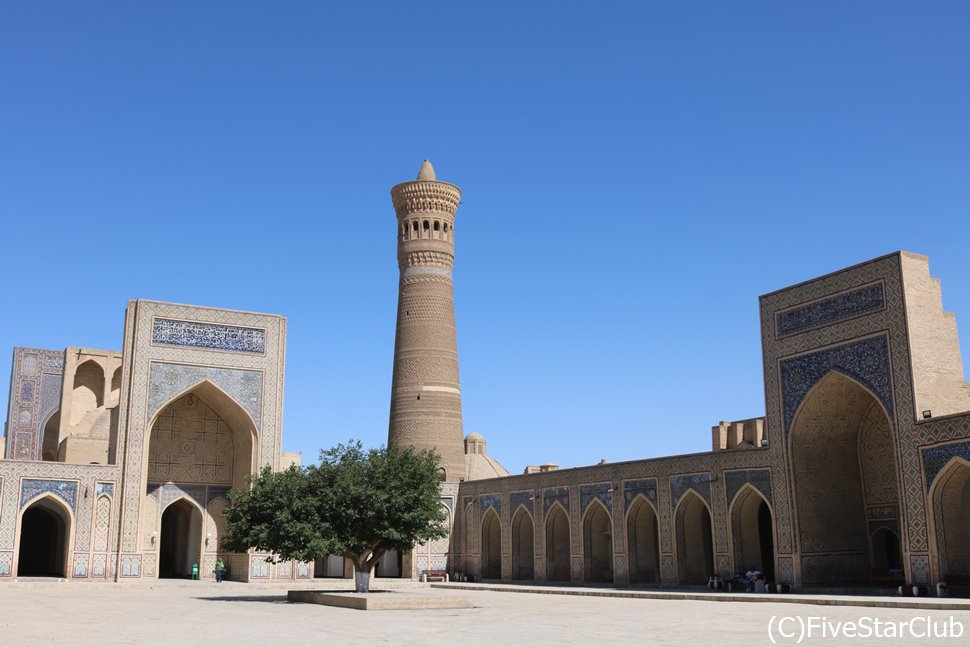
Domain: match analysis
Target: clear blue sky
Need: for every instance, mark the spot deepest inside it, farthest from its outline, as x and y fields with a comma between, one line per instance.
x=634, y=176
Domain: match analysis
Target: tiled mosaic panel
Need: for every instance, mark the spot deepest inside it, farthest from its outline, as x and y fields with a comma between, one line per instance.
x=524, y=499
x=558, y=495
x=487, y=501
x=680, y=484
x=35, y=393
x=646, y=487
x=850, y=304
x=208, y=336
x=167, y=381
x=64, y=490
x=865, y=361
x=936, y=458
x=80, y=565
x=735, y=480
x=603, y=492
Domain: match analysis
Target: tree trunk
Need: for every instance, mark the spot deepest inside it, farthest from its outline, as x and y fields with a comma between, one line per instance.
x=361, y=580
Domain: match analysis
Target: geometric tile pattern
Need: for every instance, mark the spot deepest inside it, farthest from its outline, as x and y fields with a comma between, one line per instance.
x=521, y=498
x=935, y=458
x=169, y=380
x=190, y=444
x=646, y=487
x=679, y=485
x=601, y=491
x=554, y=495
x=865, y=361
x=209, y=336
x=840, y=307
x=64, y=490
x=487, y=501
x=35, y=393
x=736, y=479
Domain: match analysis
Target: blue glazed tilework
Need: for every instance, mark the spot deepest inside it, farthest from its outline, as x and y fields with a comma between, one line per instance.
x=935, y=458
x=870, y=298
x=865, y=361
x=599, y=491
x=445, y=501
x=555, y=494
x=521, y=498
x=490, y=501
x=169, y=380
x=194, y=334
x=646, y=487
x=680, y=484
x=760, y=479
x=104, y=488
x=217, y=491
x=64, y=490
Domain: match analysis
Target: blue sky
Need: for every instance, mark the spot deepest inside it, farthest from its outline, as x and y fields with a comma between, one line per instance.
x=634, y=175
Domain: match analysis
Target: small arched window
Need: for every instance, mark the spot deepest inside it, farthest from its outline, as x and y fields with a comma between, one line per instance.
x=414, y=225
x=437, y=226
x=426, y=225
x=446, y=227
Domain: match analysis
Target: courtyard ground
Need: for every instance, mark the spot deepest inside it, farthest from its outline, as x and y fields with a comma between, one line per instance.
x=188, y=614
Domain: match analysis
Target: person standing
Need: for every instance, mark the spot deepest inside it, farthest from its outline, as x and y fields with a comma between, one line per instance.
x=220, y=569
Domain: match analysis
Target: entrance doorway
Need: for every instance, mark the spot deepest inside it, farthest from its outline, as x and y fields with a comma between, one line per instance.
x=181, y=540
x=44, y=530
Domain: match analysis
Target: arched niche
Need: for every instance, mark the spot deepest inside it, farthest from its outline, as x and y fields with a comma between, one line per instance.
x=491, y=546
x=523, y=545
x=695, y=542
x=45, y=534
x=842, y=455
x=557, y=545
x=598, y=543
x=752, y=533
x=643, y=542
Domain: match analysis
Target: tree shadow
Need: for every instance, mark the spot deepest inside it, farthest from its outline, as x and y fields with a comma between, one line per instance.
x=266, y=599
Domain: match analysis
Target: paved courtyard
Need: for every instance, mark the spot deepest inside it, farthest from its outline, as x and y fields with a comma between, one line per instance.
x=233, y=614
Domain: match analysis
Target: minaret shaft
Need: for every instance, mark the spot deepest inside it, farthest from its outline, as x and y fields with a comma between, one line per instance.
x=425, y=389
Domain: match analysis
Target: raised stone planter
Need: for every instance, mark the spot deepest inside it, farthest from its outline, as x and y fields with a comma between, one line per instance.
x=381, y=600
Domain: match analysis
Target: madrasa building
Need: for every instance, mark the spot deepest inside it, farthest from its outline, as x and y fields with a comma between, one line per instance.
x=118, y=464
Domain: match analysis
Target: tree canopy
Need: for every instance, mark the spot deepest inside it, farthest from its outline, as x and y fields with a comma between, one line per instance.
x=356, y=503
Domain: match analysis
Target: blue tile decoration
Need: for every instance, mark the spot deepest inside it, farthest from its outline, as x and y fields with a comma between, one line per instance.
x=490, y=501
x=27, y=392
x=53, y=363
x=154, y=490
x=194, y=334
x=865, y=361
x=217, y=491
x=104, y=488
x=172, y=491
x=555, y=494
x=521, y=498
x=64, y=490
x=646, y=487
x=760, y=479
x=445, y=501
x=679, y=485
x=601, y=491
x=936, y=458
x=166, y=381
x=864, y=300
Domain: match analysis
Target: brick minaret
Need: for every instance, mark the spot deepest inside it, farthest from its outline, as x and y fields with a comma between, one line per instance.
x=425, y=393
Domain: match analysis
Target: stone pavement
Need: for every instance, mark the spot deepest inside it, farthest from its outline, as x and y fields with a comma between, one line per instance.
x=189, y=614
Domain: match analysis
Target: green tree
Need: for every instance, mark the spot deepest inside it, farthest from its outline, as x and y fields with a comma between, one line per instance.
x=357, y=503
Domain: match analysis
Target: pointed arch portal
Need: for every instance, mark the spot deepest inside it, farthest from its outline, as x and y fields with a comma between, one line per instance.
x=643, y=539
x=843, y=466
x=523, y=543
x=45, y=528
x=180, y=540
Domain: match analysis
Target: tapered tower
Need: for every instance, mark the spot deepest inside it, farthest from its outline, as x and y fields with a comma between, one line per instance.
x=425, y=392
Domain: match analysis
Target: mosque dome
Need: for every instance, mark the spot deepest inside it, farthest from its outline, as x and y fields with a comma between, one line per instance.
x=478, y=464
